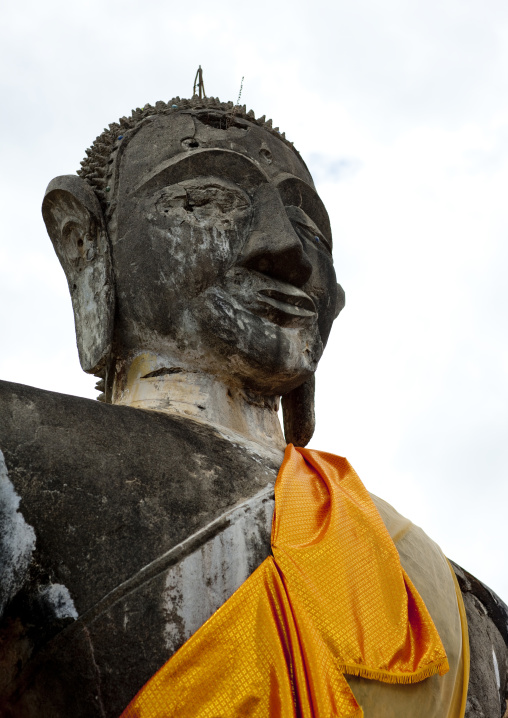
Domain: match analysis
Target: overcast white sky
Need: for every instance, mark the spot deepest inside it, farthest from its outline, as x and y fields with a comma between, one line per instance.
x=400, y=109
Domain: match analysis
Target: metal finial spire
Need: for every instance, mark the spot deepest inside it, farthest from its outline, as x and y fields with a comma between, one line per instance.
x=240, y=93
x=199, y=85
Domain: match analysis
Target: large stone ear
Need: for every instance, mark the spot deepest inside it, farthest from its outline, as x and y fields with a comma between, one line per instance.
x=298, y=413
x=76, y=226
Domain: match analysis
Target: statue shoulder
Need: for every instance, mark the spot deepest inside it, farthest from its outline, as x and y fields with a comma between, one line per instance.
x=94, y=494
x=98, y=482
x=487, y=618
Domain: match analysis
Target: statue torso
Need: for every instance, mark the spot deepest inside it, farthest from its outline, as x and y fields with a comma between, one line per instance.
x=144, y=525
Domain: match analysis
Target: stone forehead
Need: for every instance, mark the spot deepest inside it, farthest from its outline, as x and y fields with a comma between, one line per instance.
x=100, y=166
x=164, y=137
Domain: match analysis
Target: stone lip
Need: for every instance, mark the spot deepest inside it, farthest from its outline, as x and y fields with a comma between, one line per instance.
x=109, y=491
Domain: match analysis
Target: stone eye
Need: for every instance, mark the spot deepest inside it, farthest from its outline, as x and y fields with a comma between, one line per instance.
x=171, y=199
x=307, y=233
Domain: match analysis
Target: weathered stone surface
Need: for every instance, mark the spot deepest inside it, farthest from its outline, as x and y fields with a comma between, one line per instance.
x=128, y=486
x=17, y=540
x=198, y=258
x=87, y=265
x=487, y=617
x=176, y=549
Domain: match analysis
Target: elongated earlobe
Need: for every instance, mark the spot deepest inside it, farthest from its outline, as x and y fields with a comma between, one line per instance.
x=77, y=228
x=298, y=413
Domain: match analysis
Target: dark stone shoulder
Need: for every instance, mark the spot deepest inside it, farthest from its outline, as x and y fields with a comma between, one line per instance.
x=109, y=488
x=496, y=608
x=487, y=617
x=98, y=493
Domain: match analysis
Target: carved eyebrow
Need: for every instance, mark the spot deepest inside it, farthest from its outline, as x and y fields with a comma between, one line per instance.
x=295, y=192
x=205, y=162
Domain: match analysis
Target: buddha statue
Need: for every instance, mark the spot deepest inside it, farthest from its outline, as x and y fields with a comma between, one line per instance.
x=198, y=256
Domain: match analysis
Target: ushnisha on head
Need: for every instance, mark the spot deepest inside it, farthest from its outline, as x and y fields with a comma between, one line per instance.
x=194, y=236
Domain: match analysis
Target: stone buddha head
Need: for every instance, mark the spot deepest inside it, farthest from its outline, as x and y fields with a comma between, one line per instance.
x=193, y=240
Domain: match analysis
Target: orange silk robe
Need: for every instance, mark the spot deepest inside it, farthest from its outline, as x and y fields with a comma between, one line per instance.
x=331, y=623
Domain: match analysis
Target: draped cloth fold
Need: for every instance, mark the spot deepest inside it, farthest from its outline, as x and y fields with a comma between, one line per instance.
x=333, y=599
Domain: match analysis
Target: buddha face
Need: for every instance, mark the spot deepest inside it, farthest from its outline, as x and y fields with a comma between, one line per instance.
x=221, y=252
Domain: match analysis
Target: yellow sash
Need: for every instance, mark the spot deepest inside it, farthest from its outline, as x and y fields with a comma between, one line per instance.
x=332, y=599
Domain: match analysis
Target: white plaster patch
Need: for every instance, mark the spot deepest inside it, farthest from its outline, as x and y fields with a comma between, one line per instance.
x=197, y=586
x=496, y=669
x=58, y=597
x=17, y=540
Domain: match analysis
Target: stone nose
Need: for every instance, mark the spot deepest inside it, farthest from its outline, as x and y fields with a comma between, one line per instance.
x=273, y=247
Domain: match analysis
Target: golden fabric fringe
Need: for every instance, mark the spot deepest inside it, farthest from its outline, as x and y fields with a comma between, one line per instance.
x=402, y=678
x=332, y=599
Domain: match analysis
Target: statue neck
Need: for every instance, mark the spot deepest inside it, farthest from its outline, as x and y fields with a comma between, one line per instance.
x=149, y=382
